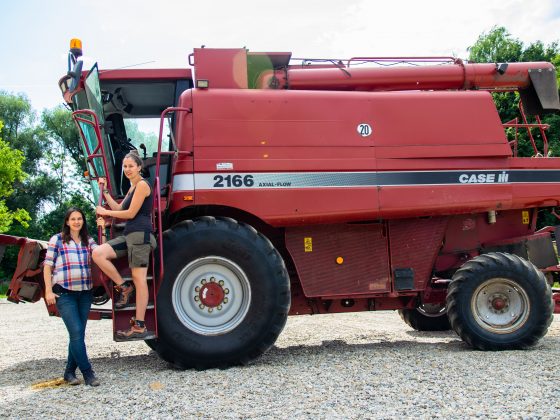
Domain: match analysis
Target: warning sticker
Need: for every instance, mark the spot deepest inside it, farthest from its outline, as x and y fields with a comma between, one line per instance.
x=308, y=244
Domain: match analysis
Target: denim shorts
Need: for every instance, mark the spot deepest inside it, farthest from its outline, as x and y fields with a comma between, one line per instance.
x=137, y=245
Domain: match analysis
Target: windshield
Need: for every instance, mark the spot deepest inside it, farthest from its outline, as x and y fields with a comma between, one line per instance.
x=93, y=93
x=145, y=131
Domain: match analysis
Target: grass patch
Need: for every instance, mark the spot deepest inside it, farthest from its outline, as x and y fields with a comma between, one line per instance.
x=3, y=288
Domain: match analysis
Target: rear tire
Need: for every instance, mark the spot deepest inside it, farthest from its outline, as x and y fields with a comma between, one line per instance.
x=499, y=301
x=151, y=343
x=426, y=318
x=225, y=295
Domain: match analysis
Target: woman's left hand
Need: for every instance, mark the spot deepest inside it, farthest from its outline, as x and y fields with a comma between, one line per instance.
x=101, y=211
x=50, y=298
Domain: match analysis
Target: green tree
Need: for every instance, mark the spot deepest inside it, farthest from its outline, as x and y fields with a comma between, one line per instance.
x=22, y=133
x=66, y=153
x=496, y=46
x=58, y=123
x=10, y=172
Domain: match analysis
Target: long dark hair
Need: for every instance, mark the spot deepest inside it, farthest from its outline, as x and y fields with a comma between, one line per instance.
x=66, y=229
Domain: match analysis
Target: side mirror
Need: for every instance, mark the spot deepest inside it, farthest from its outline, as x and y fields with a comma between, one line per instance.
x=75, y=74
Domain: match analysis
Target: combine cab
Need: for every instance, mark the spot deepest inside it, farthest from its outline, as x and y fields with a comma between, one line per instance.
x=286, y=187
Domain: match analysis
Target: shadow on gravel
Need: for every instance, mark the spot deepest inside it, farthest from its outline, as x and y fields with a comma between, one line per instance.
x=25, y=373
x=432, y=334
x=301, y=353
x=402, y=348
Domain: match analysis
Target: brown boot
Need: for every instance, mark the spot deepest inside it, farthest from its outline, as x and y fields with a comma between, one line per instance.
x=126, y=292
x=135, y=332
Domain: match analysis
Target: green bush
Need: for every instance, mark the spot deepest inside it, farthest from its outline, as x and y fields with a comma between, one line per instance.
x=4, y=284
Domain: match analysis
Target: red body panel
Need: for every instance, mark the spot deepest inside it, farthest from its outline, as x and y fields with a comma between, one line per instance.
x=362, y=270
x=247, y=131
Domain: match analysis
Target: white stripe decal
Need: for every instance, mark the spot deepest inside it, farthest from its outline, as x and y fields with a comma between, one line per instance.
x=289, y=180
x=183, y=182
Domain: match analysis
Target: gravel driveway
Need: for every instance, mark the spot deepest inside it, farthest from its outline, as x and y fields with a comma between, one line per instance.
x=350, y=366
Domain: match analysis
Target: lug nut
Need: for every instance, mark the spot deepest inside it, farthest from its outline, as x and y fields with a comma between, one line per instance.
x=225, y=300
x=210, y=310
x=212, y=279
x=201, y=306
x=197, y=289
x=226, y=291
x=203, y=281
x=219, y=307
x=196, y=298
x=221, y=282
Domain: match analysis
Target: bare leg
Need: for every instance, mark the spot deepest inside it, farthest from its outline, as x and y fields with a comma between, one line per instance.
x=102, y=255
x=139, y=277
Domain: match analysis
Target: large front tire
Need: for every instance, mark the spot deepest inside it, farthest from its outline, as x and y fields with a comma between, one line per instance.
x=499, y=301
x=225, y=295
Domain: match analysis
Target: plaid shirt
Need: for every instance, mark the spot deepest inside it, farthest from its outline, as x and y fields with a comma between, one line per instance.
x=72, y=263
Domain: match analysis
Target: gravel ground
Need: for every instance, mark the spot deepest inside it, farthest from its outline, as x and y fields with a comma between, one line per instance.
x=350, y=366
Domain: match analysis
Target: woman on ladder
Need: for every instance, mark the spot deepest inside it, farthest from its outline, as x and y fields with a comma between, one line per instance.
x=137, y=242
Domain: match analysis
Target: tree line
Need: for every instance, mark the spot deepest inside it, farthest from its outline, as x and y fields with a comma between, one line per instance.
x=42, y=166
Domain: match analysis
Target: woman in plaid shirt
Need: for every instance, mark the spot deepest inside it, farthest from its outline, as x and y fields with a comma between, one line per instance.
x=68, y=284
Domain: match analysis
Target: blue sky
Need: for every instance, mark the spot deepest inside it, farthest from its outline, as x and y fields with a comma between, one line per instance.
x=35, y=34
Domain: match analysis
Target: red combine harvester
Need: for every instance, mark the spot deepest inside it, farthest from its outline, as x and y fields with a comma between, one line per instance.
x=286, y=186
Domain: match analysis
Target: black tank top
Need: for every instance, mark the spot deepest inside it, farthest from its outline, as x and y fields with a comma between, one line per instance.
x=142, y=222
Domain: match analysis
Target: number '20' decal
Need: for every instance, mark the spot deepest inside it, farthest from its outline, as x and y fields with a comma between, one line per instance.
x=221, y=181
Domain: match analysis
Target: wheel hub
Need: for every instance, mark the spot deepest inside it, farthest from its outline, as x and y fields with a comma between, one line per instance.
x=500, y=305
x=211, y=295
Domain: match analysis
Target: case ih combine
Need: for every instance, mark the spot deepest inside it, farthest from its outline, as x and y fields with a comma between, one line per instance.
x=290, y=187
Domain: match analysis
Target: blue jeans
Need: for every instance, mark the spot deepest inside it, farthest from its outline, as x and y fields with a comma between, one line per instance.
x=73, y=307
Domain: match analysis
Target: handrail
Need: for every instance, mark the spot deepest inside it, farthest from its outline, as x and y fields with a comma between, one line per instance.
x=94, y=153
x=404, y=60
x=157, y=187
x=528, y=126
x=155, y=285
x=163, y=114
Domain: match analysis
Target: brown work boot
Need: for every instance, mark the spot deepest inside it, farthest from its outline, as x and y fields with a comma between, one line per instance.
x=135, y=332
x=126, y=292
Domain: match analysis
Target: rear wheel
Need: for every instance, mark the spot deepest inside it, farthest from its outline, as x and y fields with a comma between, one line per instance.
x=225, y=295
x=152, y=343
x=499, y=301
x=427, y=317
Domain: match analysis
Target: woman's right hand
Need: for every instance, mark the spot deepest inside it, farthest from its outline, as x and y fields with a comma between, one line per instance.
x=102, y=182
x=50, y=298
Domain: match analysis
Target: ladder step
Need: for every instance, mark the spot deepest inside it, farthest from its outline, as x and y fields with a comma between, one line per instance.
x=148, y=278
x=132, y=307
x=150, y=336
